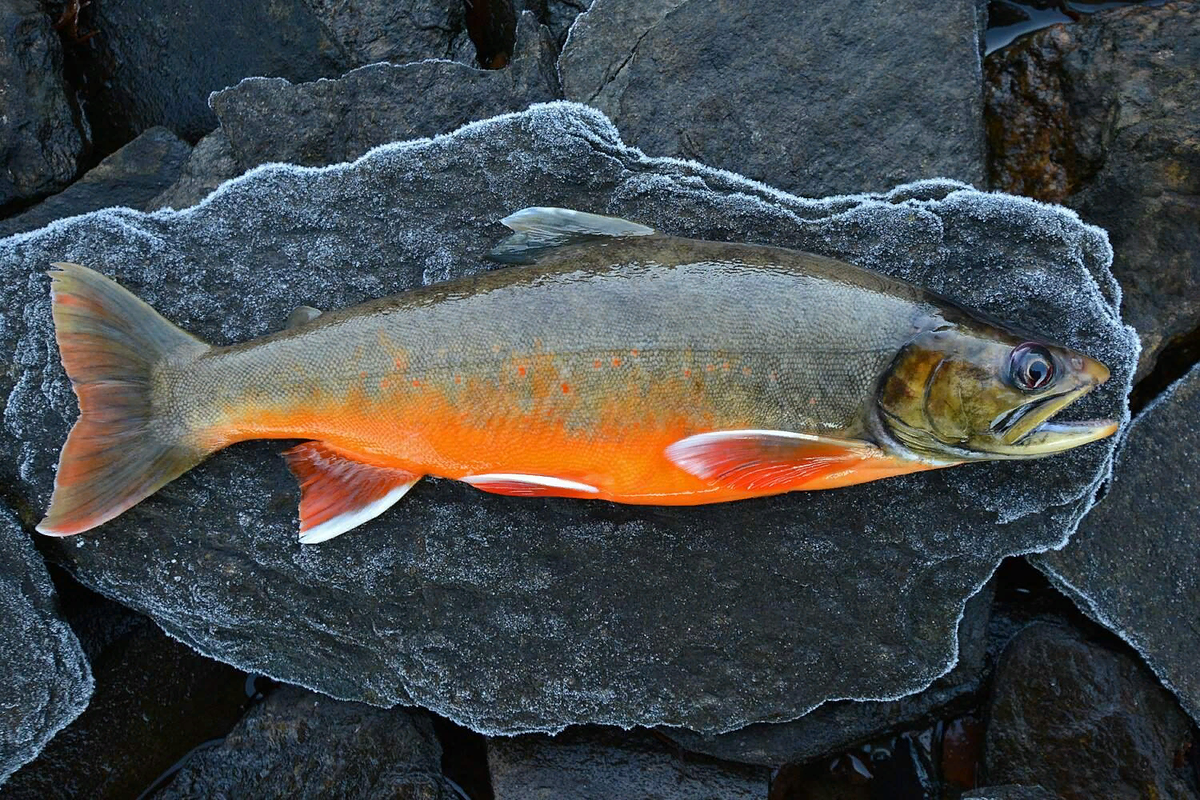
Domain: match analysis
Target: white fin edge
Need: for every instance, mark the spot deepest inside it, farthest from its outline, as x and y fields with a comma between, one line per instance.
x=532, y=480
x=549, y=223
x=352, y=519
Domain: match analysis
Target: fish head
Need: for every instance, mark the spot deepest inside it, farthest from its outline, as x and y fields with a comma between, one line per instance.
x=976, y=392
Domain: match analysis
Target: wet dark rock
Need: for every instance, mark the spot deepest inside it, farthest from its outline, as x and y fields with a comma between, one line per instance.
x=130, y=177
x=802, y=96
x=45, y=681
x=517, y=615
x=1082, y=721
x=41, y=139
x=367, y=107
x=156, y=63
x=155, y=701
x=371, y=31
x=1101, y=115
x=601, y=764
x=841, y=724
x=1011, y=791
x=300, y=744
x=1134, y=563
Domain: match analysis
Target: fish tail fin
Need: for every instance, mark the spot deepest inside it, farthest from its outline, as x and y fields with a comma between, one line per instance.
x=121, y=450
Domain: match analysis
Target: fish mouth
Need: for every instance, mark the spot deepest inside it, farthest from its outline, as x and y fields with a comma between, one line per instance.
x=1027, y=432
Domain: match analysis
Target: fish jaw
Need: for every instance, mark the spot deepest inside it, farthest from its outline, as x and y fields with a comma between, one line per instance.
x=1033, y=435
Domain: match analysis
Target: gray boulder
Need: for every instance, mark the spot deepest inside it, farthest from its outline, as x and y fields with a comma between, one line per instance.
x=41, y=138
x=300, y=744
x=371, y=31
x=45, y=681
x=1134, y=563
x=511, y=615
x=803, y=96
x=156, y=63
x=367, y=107
x=1101, y=116
x=600, y=764
x=1083, y=721
x=130, y=177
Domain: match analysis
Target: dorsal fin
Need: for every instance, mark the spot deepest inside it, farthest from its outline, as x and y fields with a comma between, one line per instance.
x=541, y=228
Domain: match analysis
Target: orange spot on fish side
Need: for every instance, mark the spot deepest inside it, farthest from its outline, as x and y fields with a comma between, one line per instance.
x=812, y=401
x=746, y=371
x=362, y=375
x=416, y=383
x=566, y=389
x=633, y=353
x=616, y=362
x=687, y=373
x=710, y=368
x=458, y=378
x=596, y=364
x=384, y=383
x=725, y=366
x=520, y=370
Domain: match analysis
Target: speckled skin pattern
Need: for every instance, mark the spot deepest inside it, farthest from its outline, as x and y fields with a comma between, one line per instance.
x=585, y=366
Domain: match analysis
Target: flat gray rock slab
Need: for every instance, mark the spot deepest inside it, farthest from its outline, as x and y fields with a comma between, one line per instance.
x=1134, y=563
x=807, y=97
x=511, y=615
x=301, y=744
x=599, y=764
x=45, y=681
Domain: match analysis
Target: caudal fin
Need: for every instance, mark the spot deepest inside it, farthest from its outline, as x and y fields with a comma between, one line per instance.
x=120, y=450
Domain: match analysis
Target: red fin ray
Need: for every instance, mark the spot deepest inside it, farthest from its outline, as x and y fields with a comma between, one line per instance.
x=338, y=492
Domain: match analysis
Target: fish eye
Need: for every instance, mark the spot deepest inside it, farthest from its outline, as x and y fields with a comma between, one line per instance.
x=1030, y=367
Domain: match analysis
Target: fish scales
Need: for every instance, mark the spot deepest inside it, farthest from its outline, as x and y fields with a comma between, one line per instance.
x=602, y=344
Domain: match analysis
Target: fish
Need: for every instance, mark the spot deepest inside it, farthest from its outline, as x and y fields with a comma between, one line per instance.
x=605, y=361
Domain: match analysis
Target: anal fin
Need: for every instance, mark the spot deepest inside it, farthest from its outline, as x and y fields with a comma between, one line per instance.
x=767, y=460
x=521, y=485
x=339, y=492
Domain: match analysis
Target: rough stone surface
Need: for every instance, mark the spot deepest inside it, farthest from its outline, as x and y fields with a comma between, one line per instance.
x=1083, y=721
x=1101, y=115
x=842, y=724
x=130, y=177
x=802, y=96
x=517, y=615
x=155, y=700
x=599, y=764
x=1134, y=564
x=367, y=107
x=1011, y=791
x=300, y=744
x=40, y=138
x=371, y=31
x=45, y=681
x=557, y=15
x=156, y=63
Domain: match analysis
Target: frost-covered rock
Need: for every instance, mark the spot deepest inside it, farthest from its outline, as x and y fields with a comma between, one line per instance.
x=512, y=615
x=1101, y=116
x=130, y=177
x=300, y=744
x=1134, y=564
x=40, y=137
x=1083, y=721
x=346, y=117
x=599, y=764
x=814, y=98
x=44, y=678
x=157, y=62
x=841, y=724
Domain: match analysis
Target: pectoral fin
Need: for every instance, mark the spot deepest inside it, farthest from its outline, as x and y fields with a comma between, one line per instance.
x=776, y=461
x=539, y=230
x=338, y=492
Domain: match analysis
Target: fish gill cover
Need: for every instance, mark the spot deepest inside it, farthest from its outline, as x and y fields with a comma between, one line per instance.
x=513, y=615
